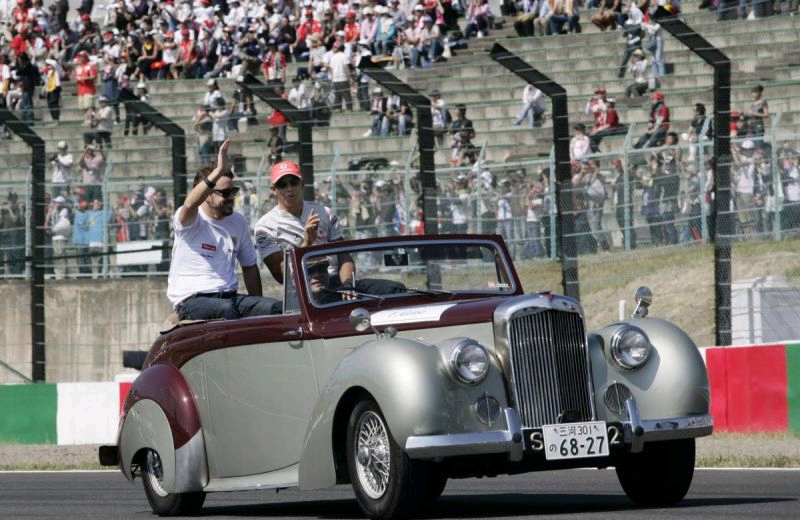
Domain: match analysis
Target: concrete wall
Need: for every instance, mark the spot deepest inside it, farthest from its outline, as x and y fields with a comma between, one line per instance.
x=89, y=324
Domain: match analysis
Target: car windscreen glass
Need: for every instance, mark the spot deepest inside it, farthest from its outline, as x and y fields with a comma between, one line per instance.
x=392, y=271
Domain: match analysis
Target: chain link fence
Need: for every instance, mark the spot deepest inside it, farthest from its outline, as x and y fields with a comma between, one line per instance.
x=643, y=216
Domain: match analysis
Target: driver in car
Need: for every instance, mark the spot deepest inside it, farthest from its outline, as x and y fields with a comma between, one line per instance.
x=319, y=281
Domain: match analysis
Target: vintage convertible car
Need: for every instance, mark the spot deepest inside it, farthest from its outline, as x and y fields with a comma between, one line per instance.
x=432, y=364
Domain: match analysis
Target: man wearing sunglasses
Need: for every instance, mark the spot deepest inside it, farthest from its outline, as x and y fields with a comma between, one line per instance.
x=209, y=239
x=296, y=223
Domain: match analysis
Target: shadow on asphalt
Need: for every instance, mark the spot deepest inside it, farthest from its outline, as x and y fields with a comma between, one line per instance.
x=476, y=506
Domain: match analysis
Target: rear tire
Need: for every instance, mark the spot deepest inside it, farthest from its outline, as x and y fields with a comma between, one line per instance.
x=660, y=475
x=161, y=502
x=387, y=484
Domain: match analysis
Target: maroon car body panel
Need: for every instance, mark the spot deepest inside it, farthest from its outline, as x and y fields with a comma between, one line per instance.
x=165, y=385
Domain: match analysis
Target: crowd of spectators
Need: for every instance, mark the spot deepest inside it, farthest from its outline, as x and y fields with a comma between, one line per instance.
x=127, y=45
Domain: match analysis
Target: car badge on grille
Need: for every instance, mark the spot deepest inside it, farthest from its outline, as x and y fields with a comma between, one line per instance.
x=569, y=416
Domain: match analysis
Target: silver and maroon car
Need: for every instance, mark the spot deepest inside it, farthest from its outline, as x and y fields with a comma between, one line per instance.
x=431, y=364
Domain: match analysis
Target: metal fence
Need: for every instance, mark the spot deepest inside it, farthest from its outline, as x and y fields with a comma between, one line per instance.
x=642, y=216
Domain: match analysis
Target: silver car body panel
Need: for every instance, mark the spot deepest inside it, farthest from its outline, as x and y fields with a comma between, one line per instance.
x=146, y=426
x=282, y=478
x=408, y=379
x=191, y=467
x=673, y=382
x=255, y=426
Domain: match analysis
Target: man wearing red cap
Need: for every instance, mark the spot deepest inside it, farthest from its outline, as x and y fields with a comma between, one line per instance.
x=85, y=76
x=209, y=239
x=659, y=123
x=296, y=223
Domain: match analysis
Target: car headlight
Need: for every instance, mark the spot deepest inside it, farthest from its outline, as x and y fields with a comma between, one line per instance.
x=470, y=362
x=630, y=347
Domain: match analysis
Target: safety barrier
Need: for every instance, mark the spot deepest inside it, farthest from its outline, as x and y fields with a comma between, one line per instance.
x=754, y=388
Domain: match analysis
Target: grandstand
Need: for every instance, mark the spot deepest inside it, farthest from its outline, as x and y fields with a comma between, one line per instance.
x=761, y=51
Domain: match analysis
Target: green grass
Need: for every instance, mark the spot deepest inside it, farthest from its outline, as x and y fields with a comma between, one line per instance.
x=681, y=277
x=749, y=450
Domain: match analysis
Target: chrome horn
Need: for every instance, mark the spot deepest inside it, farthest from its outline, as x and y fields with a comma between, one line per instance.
x=643, y=297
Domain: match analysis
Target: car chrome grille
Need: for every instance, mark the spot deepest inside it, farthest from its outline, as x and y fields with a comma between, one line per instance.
x=548, y=364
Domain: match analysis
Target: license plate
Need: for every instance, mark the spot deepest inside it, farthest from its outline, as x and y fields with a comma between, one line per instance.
x=575, y=440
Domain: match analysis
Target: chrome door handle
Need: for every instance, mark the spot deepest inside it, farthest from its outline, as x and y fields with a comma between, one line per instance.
x=294, y=333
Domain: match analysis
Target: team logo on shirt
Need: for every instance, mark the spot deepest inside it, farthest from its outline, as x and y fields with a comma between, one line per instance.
x=209, y=247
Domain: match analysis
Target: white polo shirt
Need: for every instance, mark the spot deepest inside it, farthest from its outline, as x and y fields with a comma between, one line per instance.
x=204, y=255
x=279, y=230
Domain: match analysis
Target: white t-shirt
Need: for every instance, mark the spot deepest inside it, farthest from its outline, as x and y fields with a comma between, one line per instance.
x=338, y=63
x=279, y=230
x=62, y=169
x=204, y=255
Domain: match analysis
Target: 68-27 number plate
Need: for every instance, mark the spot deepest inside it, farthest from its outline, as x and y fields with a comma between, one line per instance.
x=575, y=440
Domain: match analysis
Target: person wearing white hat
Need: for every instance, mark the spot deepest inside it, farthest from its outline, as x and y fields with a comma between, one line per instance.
x=385, y=33
x=744, y=182
x=102, y=122
x=61, y=173
x=52, y=88
x=92, y=165
x=638, y=69
x=58, y=224
x=369, y=24
x=132, y=119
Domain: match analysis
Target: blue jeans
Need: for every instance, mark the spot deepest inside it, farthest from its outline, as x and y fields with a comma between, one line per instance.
x=26, y=107
x=226, y=305
x=658, y=58
x=532, y=113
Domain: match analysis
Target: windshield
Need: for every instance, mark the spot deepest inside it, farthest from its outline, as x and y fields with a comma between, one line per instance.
x=392, y=270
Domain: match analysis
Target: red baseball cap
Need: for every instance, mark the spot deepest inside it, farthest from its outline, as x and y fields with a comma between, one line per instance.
x=281, y=169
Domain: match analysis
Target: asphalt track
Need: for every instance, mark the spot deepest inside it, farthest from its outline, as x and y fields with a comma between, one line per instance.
x=576, y=494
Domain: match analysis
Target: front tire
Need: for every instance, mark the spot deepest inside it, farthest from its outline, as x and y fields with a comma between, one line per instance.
x=387, y=484
x=660, y=475
x=161, y=502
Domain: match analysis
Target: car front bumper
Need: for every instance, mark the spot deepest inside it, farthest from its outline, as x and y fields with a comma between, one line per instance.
x=637, y=432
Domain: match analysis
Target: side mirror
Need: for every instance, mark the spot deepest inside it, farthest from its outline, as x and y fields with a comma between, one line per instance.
x=360, y=319
x=643, y=297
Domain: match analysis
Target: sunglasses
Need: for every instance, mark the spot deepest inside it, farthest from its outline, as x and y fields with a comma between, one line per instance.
x=317, y=270
x=226, y=194
x=282, y=184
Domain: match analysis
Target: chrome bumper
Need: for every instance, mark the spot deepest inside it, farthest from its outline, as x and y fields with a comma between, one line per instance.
x=497, y=441
x=637, y=433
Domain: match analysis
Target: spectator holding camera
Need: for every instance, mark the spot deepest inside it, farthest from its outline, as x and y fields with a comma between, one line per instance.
x=463, y=133
x=102, y=120
x=92, y=164
x=61, y=172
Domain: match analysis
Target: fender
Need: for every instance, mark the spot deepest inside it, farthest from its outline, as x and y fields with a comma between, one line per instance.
x=160, y=414
x=408, y=381
x=673, y=382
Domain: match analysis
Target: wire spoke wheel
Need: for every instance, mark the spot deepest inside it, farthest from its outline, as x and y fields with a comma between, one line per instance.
x=154, y=473
x=372, y=454
x=162, y=502
x=387, y=484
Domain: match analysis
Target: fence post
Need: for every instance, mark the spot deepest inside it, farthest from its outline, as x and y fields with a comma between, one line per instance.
x=177, y=138
x=723, y=219
x=301, y=118
x=558, y=98
x=425, y=137
x=37, y=234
